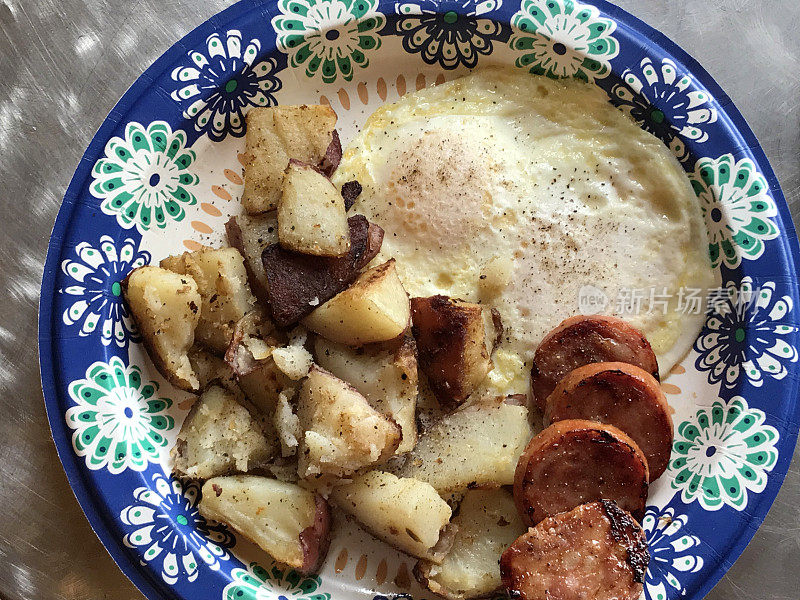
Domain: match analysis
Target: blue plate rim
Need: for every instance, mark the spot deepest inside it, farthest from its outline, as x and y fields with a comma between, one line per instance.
x=84, y=494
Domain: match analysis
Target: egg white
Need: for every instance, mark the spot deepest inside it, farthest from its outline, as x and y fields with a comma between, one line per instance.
x=519, y=191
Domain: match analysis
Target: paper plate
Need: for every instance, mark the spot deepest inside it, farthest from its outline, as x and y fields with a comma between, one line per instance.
x=163, y=174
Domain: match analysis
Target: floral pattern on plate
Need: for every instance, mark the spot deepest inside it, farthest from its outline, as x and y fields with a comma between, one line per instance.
x=166, y=527
x=666, y=103
x=145, y=179
x=738, y=211
x=672, y=552
x=449, y=33
x=746, y=334
x=723, y=452
x=97, y=306
x=259, y=583
x=118, y=422
x=223, y=82
x=562, y=39
x=328, y=38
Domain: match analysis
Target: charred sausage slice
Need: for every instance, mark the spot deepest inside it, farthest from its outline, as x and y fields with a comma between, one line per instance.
x=594, y=552
x=583, y=340
x=573, y=462
x=622, y=395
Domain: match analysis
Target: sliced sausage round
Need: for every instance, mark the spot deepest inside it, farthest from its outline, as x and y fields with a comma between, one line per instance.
x=583, y=340
x=622, y=395
x=595, y=551
x=573, y=462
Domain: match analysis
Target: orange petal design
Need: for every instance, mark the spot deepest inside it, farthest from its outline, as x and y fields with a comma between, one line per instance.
x=380, y=573
x=233, y=177
x=402, y=579
x=678, y=370
x=201, y=227
x=363, y=94
x=211, y=209
x=439, y=79
x=240, y=158
x=669, y=388
x=361, y=567
x=381, y=88
x=221, y=193
x=344, y=99
x=324, y=100
x=341, y=561
x=401, y=85
x=186, y=404
x=420, y=81
x=192, y=246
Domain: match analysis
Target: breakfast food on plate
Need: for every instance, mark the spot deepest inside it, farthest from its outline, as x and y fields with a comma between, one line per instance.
x=311, y=213
x=299, y=283
x=583, y=340
x=386, y=378
x=595, y=551
x=455, y=340
x=621, y=395
x=277, y=134
x=573, y=462
x=341, y=432
x=543, y=188
x=290, y=523
x=220, y=436
x=166, y=309
x=403, y=512
x=225, y=296
x=373, y=309
x=486, y=524
x=396, y=362
x=477, y=445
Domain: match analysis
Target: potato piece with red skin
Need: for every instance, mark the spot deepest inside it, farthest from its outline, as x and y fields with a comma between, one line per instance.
x=250, y=235
x=573, y=462
x=596, y=551
x=297, y=283
x=582, y=340
x=453, y=345
x=276, y=134
x=288, y=522
x=622, y=395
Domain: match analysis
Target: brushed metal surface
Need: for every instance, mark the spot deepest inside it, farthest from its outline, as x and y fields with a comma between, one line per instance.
x=63, y=65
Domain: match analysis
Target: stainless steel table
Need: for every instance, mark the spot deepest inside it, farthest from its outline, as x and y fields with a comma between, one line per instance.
x=64, y=63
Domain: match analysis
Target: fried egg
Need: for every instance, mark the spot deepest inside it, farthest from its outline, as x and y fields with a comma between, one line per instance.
x=536, y=197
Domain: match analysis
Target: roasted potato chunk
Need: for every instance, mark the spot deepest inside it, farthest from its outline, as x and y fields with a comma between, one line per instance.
x=341, y=431
x=311, y=214
x=405, y=513
x=289, y=523
x=250, y=235
x=166, y=309
x=222, y=282
x=210, y=368
x=476, y=446
x=388, y=380
x=454, y=340
x=298, y=283
x=274, y=135
x=374, y=309
x=486, y=524
x=219, y=436
x=287, y=425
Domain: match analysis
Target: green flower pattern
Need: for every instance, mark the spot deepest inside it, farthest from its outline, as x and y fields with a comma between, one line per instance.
x=563, y=39
x=737, y=209
x=259, y=583
x=328, y=38
x=118, y=422
x=146, y=179
x=723, y=452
